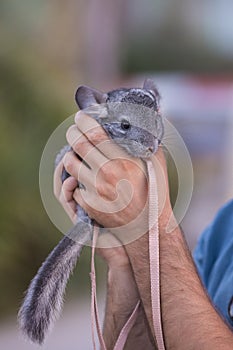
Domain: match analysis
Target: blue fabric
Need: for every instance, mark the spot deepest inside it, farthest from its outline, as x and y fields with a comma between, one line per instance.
x=213, y=256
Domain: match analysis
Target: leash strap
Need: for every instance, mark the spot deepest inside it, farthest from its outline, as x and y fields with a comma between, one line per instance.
x=154, y=277
x=120, y=343
x=94, y=308
x=95, y=320
x=154, y=256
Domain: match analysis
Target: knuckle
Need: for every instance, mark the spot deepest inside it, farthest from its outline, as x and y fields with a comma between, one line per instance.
x=94, y=136
x=79, y=145
x=79, y=117
x=98, y=136
x=100, y=188
x=69, y=132
x=106, y=191
x=105, y=169
x=69, y=167
x=107, y=173
x=68, y=163
x=73, y=136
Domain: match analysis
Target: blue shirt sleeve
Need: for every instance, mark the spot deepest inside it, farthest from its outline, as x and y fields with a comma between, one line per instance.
x=213, y=257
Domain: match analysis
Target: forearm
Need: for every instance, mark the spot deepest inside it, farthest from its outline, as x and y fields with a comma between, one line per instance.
x=189, y=319
x=122, y=297
x=138, y=252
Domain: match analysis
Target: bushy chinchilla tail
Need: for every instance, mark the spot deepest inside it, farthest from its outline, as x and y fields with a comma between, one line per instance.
x=43, y=302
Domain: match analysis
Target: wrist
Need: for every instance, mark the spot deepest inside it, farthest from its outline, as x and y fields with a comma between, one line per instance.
x=113, y=252
x=167, y=220
x=119, y=265
x=123, y=288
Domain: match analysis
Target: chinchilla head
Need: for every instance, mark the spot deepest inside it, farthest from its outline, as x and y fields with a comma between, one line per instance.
x=130, y=116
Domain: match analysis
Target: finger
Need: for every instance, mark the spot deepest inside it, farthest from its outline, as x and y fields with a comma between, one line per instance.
x=79, y=198
x=98, y=137
x=57, y=182
x=84, y=147
x=85, y=123
x=66, y=198
x=94, y=205
x=77, y=169
x=68, y=187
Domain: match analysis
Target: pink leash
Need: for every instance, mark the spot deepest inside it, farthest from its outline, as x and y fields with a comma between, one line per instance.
x=94, y=308
x=154, y=256
x=154, y=276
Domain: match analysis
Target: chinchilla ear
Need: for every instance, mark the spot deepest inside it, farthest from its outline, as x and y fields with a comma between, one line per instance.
x=86, y=96
x=150, y=85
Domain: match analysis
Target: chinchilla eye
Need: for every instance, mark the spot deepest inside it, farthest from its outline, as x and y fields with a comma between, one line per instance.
x=125, y=125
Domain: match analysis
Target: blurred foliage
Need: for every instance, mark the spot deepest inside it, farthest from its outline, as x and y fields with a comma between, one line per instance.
x=173, y=54
x=30, y=109
x=40, y=55
x=29, y=112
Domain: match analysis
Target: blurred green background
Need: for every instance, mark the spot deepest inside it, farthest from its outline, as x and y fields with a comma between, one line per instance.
x=47, y=49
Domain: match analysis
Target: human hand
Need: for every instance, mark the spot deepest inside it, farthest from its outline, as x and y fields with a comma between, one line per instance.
x=115, y=257
x=109, y=203
x=115, y=183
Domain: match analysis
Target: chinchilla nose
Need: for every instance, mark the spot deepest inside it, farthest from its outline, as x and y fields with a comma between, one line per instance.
x=153, y=147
